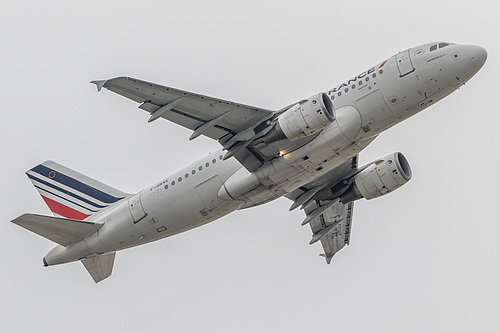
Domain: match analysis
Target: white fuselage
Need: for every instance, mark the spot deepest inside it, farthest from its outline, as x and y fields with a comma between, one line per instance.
x=204, y=191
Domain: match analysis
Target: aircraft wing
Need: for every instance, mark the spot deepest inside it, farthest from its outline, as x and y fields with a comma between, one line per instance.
x=187, y=109
x=235, y=126
x=332, y=228
x=330, y=220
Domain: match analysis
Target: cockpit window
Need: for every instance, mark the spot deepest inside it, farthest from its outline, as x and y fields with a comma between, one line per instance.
x=434, y=48
x=441, y=45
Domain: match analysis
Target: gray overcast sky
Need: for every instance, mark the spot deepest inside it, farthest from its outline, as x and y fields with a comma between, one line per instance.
x=422, y=259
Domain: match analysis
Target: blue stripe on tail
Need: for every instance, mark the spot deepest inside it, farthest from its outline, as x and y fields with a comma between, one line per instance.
x=64, y=191
x=65, y=199
x=75, y=184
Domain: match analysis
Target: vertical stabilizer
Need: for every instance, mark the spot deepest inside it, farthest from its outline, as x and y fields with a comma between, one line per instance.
x=70, y=194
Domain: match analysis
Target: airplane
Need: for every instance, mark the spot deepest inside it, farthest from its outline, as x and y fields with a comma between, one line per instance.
x=307, y=152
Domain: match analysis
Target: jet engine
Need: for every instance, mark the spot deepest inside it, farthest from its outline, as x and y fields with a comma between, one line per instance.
x=384, y=176
x=303, y=119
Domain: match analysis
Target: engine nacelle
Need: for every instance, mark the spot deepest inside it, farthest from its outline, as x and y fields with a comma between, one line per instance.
x=384, y=176
x=303, y=119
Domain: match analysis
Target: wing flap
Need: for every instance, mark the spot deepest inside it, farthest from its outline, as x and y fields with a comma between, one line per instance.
x=62, y=231
x=100, y=266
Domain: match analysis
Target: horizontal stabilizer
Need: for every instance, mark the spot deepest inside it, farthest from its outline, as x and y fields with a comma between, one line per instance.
x=62, y=231
x=100, y=266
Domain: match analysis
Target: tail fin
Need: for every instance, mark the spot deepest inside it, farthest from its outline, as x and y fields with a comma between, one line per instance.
x=70, y=194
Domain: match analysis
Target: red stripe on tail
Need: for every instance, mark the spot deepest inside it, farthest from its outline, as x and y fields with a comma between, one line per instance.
x=63, y=210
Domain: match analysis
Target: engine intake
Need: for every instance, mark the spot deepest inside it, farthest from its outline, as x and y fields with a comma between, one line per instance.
x=303, y=119
x=386, y=175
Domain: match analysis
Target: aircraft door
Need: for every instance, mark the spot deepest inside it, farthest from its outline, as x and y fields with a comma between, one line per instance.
x=405, y=65
x=135, y=207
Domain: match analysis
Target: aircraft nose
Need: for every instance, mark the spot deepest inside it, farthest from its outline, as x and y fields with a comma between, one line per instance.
x=478, y=55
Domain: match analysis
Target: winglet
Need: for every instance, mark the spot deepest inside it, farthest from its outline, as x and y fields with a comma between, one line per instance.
x=328, y=257
x=99, y=84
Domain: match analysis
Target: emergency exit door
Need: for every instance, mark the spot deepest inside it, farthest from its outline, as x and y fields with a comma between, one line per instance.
x=135, y=207
x=403, y=60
